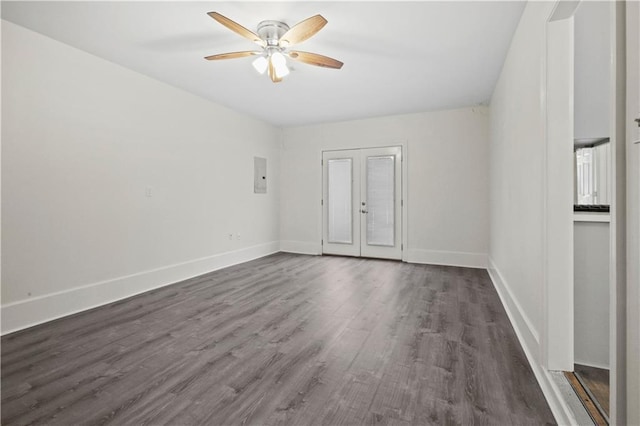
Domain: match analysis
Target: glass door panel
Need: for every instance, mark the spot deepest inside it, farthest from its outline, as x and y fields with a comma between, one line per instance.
x=340, y=200
x=380, y=198
x=380, y=201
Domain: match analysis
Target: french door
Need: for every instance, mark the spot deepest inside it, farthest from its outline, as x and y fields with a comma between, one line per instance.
x=362, y=202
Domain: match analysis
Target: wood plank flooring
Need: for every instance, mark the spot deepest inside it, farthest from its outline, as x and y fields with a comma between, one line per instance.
x=286, y=339
x=586, y=399
x=597, y=381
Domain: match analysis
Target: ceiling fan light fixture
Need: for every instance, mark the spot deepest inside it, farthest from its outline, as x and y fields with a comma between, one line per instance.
x=279, y=63
x=260, y=64
x=282, y=71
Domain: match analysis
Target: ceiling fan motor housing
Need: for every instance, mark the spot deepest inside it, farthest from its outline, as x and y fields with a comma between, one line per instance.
x=271, y=31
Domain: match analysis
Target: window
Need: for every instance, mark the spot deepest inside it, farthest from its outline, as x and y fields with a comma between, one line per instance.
x=592, y=175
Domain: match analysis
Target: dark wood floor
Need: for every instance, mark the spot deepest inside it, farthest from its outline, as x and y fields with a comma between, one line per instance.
x=597, y=381
x=286, y=339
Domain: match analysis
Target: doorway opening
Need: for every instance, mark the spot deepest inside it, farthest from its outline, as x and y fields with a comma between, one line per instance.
x=584, y=245
x=362, y=202
x=592, y=199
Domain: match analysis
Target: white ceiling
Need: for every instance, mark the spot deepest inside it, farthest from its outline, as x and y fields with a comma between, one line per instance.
x=399, y=57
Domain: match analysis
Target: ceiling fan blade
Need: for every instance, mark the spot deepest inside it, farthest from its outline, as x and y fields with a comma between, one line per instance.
x=315, y=59
x=271, y=70
x=237, y=28
x=303, y=30
x=231, y=55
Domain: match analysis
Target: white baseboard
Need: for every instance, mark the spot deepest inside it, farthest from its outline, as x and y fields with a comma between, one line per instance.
x=528, y=335
x=530, y=342
x=448, y=258
x=301, y=247
x=27, y=313
x=591, y=364
x=431, y=257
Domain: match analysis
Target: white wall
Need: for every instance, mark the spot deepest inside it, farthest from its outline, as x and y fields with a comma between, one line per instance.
x=519, y=169
x=592, y=69
x=82, y=141
x=447, y=199
x=591, y=293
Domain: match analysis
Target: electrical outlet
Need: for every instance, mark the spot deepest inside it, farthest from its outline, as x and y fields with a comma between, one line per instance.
x=148, y=191
x=237, y=236
x=231, y=236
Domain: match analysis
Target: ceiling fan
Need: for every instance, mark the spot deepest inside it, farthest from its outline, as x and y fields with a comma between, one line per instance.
x=275, y=38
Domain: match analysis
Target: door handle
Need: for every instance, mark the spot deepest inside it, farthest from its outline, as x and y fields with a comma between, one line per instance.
x=637, y=120
x=364, y=211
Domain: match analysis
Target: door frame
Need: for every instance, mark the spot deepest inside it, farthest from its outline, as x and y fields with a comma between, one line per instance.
x=633, y=211
x=558, y=292
x=557, y=340
x=402, y=144
x=618, y=258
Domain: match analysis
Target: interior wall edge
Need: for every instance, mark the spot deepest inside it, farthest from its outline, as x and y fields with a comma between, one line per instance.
x=530, y=342
x=427, y=257
x=30, y=312
x=591, y=364
x=448, y=258
x=527, y=333
x=300, y=247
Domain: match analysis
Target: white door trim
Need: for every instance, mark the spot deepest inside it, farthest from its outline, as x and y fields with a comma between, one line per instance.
x=618, y=266
x=558, y=333
x=633, y=211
